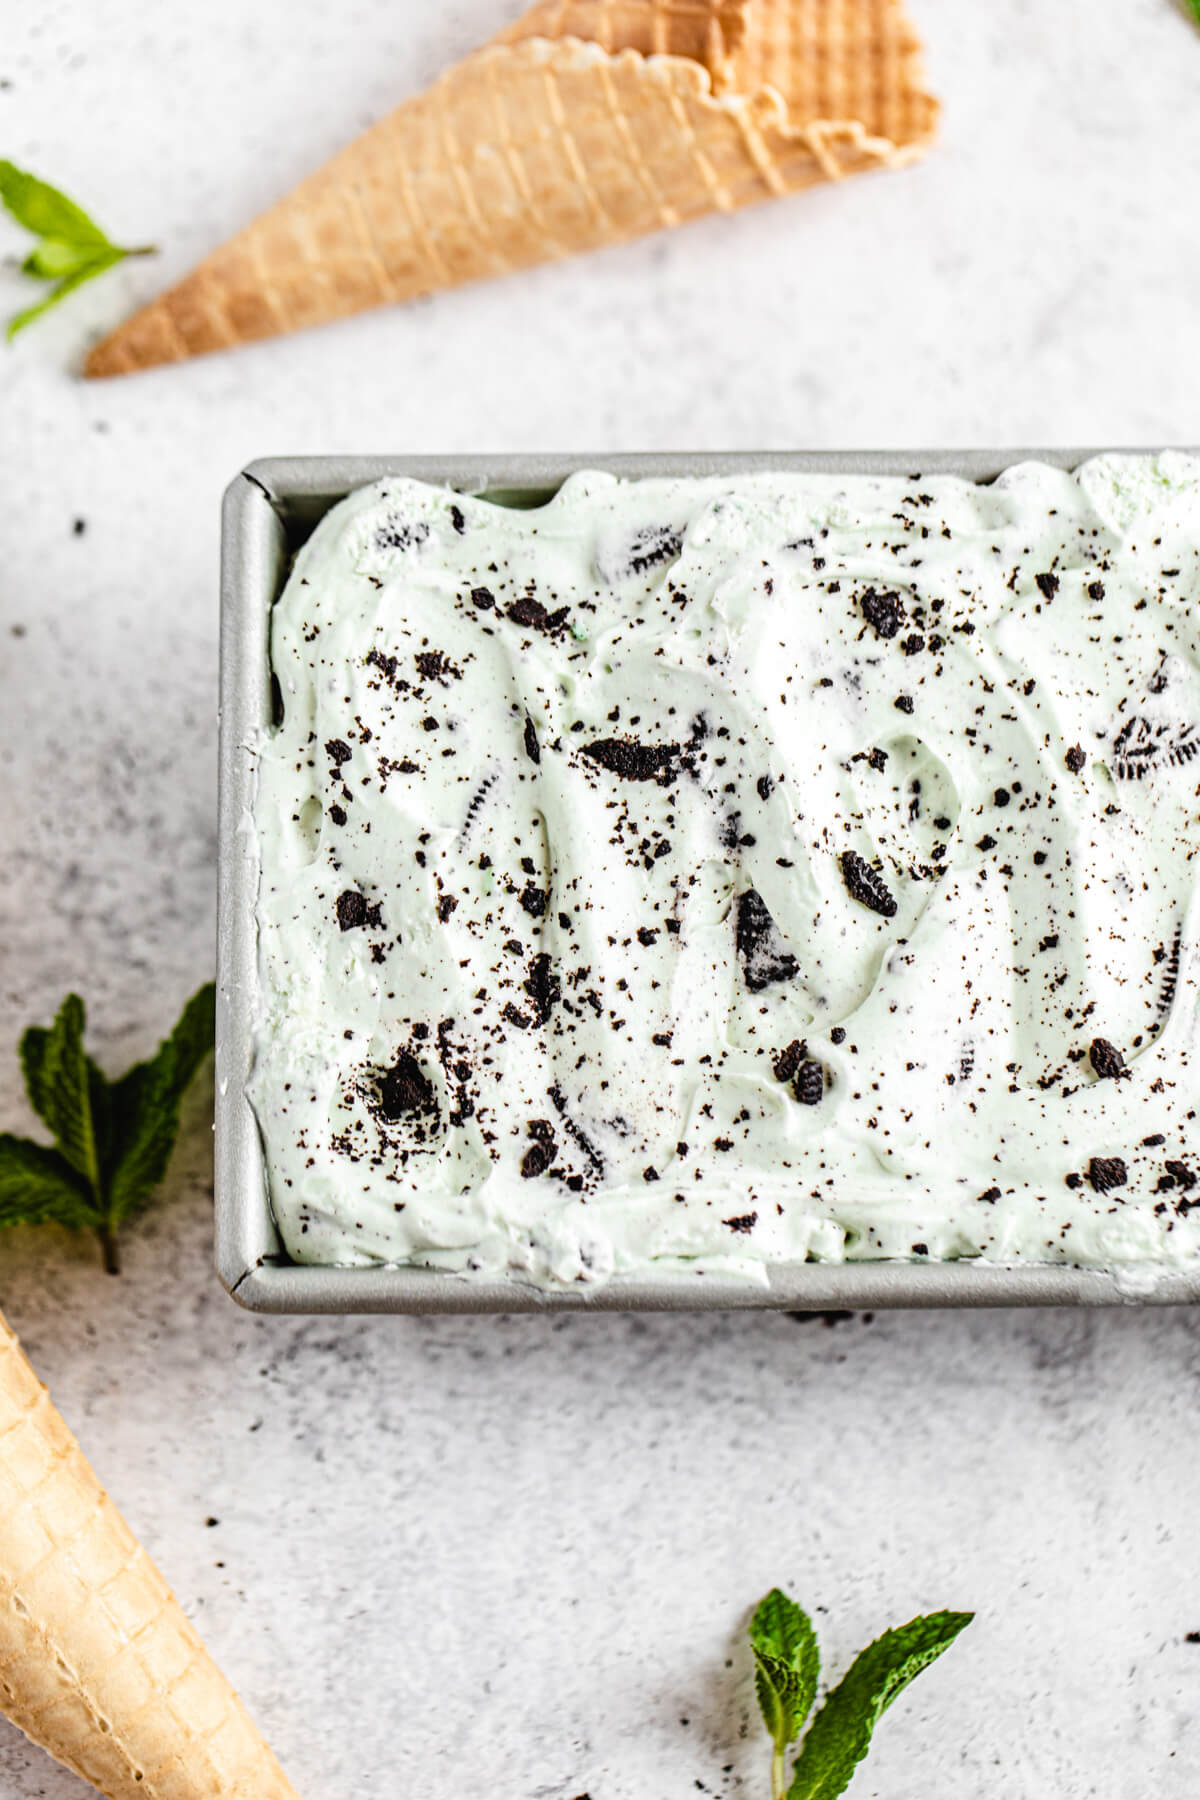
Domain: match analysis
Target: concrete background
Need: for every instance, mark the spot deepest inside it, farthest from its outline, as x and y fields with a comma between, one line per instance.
x=515, y=1556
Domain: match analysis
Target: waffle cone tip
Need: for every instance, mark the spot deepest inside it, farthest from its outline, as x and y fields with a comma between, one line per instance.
x=98, y=1663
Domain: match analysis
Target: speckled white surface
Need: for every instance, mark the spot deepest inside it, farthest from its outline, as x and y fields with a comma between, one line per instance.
x=513, y=1557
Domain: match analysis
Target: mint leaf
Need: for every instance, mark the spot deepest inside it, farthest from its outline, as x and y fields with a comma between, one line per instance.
x=43, y=210
x=71, y=249
x=52, y=258
x=840, y=1735
x=114, y=1140
x=37, y=1184
x=96, y=265
x=145, y=1107
x=59, y=1080
x=787, y=1664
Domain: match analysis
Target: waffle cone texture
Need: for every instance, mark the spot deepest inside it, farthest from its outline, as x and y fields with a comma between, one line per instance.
x=586, y=123
x=97, y=1662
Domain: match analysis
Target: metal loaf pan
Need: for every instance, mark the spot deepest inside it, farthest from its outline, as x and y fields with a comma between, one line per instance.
x=269, y=511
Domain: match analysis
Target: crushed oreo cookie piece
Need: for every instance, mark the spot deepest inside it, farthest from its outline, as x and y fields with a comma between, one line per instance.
x=447, y=904
x=884, y=612
x=401, y=534
x=406, y=1089
x=1180, y=1173
x=1047, y=585
x=743, y=1222
x=533, y=749
x=1106, y=1173
x=633, y=761
x=656, y=544
x=353, y=910
x=483, y=598
x=865, y=885
x=537, y=1159
x=338, y=751
x=1107, y=1060
x=1076, y=759
x=534, y=899
x=435, y=665
x=531, y=614
x=810, y=1084
x=765, y=956
x=788, y=1060
x=543, y=987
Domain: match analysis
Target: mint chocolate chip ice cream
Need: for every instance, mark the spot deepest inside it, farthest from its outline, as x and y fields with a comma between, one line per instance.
x=714, y=874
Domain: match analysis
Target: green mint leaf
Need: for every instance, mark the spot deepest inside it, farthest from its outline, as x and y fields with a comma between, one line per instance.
x=1193, y=7
x=37, y=1184
x=95, y=265
x=61, y=1081
x=54, y=258
x=787, y=1664
x=45, y=211
x=840, y=1735
x=145, y=1107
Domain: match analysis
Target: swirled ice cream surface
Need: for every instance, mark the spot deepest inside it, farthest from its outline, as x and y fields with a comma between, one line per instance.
x=723, y=873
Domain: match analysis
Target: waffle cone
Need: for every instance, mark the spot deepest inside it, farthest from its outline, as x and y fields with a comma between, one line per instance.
x=97, y=1662
x=587, y=123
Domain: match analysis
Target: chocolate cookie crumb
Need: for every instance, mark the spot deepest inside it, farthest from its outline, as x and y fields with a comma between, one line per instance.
x=865, y=885
x=537, y=1160
x=533, y=899
x=1076, y=759
x=351, y=909
x=884, y=613
x=1107, y=1060
x=533, y=615
x=533, y=749
x=810, y=1084
x=543, y=987
x=406, y=1089
x=1048, y=584
x=337, y=751
x=764, y=955
x=1106, y=1173
x=788, y=1060
x=633, y=761
x=743, y=1222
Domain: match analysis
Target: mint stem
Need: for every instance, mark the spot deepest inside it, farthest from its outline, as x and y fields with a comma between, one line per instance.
x=778, y=1774
x=108, y=1243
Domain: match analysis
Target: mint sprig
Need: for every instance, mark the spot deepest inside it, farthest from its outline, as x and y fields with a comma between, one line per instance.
x=112, y=1140
x=787, y=1664
x=786, y=1668
x=70, y=249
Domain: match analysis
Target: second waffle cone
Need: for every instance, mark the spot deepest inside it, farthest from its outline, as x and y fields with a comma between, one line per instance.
x=98, y=1663
x=542, y=145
